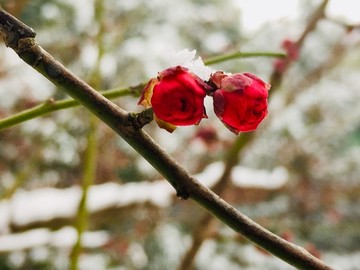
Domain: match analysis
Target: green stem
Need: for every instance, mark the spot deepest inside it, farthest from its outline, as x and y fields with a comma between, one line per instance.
x=234, y=55
x=52, y=106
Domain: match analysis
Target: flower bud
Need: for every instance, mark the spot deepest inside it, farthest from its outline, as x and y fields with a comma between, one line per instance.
x=292, y=50
x=177, y=98
x=240, y=100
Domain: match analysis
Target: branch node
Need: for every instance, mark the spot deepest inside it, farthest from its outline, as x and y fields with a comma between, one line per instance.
x=24, y=45
x=13, y=30
x=50, y=101
x=139, y=120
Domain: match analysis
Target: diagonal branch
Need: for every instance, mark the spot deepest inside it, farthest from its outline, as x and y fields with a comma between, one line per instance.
x=121, y=122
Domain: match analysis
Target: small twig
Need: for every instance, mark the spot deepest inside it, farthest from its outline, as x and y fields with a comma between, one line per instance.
x=346, y=25
x=317, y=15
x=185, y=184
x=50, y=105
x=337, y=53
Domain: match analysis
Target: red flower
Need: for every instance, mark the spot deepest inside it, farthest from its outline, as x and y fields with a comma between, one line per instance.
x=240, y=101
x=177, y=98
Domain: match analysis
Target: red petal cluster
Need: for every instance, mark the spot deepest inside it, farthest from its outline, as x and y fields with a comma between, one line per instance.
x=240, y=101
x=177, y=98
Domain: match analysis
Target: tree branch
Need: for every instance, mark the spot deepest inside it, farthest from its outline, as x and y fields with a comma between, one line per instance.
x=116, y=118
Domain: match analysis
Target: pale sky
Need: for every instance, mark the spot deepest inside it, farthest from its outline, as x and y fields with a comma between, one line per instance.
x=256, y=13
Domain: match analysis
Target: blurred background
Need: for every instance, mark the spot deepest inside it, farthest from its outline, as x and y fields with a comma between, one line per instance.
x=73, y=195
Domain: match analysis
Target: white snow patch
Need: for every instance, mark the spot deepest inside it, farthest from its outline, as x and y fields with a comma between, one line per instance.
x=110, y=194
x=43, y=204
x=187, y=59
x=246, y=177
x=94, y=261
x=64, y=238
x=211, y=174
x=138, y=255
